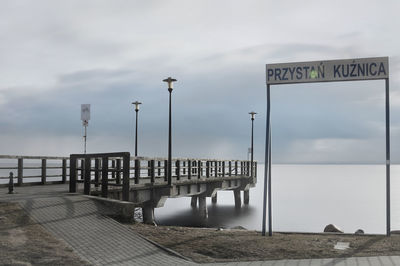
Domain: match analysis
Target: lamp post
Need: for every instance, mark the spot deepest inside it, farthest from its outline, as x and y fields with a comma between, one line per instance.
x=253, y=114
x=137, y=111
x=170, y=81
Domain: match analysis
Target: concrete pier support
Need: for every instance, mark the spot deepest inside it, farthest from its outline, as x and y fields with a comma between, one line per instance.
x=246, y=197
x=193, y=203
x=214, y=199
x=203, y=208
x=148, y=215
x=238, y=200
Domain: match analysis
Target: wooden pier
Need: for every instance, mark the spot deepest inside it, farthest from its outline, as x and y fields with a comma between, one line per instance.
x=142, y=181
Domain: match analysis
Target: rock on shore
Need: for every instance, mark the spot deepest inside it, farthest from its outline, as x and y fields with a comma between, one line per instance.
x=359, y=232
x=331, y=228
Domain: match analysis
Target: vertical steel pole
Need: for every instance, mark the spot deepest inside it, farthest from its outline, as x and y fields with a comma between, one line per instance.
x=252, y=127
x=266, y=166
x=269, y=186
x=387, y=107
x=137, y=111
x=169, y=141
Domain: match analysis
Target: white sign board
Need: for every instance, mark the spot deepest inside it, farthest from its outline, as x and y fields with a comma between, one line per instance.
x=332, y=70
x=85, y=112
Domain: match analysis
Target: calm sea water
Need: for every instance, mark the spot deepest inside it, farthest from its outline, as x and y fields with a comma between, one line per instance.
x=304, y=198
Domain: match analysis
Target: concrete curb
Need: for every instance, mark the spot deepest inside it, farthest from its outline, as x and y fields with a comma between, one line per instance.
x=170, y=251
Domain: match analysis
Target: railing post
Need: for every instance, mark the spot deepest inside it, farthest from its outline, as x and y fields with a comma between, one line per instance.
x=159, y=168
x=82, y=168
x=20, y=171
x=11, y=184
x=97, y=172
x=137, y=171
x=113, y=168
x=125, y=177
x=199, y=171
x=149, y=168
x=236, y=168
x=72, y=174
x=166, y=170
x=178, y=169
x=64, y=171
x=87, y=177
x=104, y=178
x=208, y=169
x=230, y=168
x=43, y=171
x=118, y=173
x=216, y=168
x=223, y=168
x=152, y=171
x=189, y=165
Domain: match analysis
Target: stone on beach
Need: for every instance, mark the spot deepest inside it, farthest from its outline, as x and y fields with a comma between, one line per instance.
x=331, y=228
x=359, y=232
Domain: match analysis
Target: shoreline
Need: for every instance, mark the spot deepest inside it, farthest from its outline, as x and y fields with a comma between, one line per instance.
x=206, y=245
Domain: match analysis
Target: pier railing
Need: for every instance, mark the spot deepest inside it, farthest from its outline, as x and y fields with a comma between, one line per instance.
x=33, y=170
x=40, y=170
x=148, y=171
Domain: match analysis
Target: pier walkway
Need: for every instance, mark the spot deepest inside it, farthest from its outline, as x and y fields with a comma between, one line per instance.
x=100, y=240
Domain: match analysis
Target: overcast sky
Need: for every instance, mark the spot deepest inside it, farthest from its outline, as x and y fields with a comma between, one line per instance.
x=56, y=55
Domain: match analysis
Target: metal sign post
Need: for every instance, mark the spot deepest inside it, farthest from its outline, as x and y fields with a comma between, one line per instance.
x=325, y=71
x=85, y=117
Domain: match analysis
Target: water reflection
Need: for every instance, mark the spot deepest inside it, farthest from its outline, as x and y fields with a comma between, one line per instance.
x=218, y=216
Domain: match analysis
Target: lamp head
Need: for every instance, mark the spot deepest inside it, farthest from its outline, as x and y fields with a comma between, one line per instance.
x=253, y=114
x=170, y=81
x=137, y=105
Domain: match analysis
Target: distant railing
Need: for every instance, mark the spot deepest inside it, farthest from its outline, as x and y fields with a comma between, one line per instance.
x=149, y=171
x=37, y=168
x=142, y=170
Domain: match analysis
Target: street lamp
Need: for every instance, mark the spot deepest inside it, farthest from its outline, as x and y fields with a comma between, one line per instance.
x=253, y=114
x=170, y=81
x=137, y=111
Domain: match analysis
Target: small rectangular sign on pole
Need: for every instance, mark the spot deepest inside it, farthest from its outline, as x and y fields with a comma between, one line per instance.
x=85, y=113
x=330, y=70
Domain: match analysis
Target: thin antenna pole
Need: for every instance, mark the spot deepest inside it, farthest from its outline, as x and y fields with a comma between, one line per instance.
x=85, y=137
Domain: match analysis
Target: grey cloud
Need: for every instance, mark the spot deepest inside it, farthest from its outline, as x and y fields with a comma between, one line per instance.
x=95, y=75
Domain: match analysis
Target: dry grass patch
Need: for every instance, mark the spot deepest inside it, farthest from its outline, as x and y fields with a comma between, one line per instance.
x=212, y=245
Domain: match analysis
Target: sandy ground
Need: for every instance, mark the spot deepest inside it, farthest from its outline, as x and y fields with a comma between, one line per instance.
x=23, y=242
x=213, y=245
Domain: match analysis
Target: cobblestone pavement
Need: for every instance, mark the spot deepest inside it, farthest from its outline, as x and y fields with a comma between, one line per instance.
x=96, y=238
x=103, y=241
